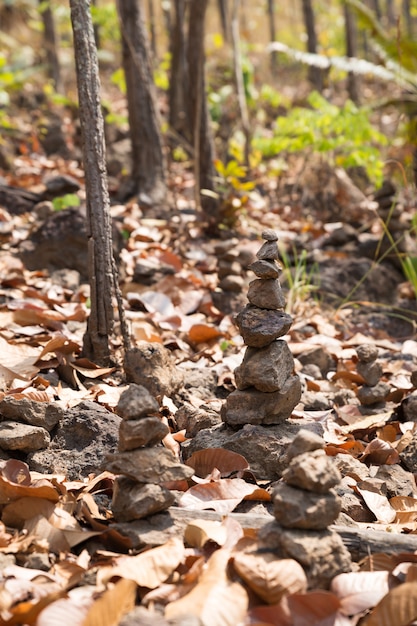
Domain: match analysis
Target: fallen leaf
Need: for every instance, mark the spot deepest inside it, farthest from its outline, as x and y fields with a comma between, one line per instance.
x=397, y=608
x=109, y=609
x=201, y=333
x=204, y=461
x=222, y=495
x=360, y=591
x=199, y=531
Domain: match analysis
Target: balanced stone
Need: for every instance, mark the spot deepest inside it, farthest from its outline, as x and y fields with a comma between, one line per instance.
x=370, y=372
x=266, y=369
x=269, y=235
x=132, y=500
x=148, y=465
x=266, y=294
x=259, y=327
x=136, y=402
x=268, y=251
x=265, y=269
x=304, y=441
x=146, y=431
x=312, y=471
x=256, y=407
x=367, y=352
x=296, y=508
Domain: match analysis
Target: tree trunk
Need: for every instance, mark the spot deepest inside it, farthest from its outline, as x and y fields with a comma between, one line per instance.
x=49, y=38
x=224, y=18
x=408, y=19
x=178, y=79
x=390, y=13
x=148, y=160
x=351, y=51
x=240, y=88
x=100, y=259
x=151, y=15
x=272, y=35
x=315, y=74
x=201, y=134
x=96, y=28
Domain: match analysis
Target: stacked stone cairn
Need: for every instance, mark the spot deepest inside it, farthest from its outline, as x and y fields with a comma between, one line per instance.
x=305, y=504
x=267, y=389
x=374, y=390
x=142, y=464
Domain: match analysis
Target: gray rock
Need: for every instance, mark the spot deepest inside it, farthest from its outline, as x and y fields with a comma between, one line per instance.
x=266, y=369
x=268, y=251
x=262, y=446
x=269, y=235
x=318, y=356
x=255, y=407
x=296, y=508
x=398, y=481
x=194, y=420
x=304, y=441
x=147, y=465
x=140, y=616
x=265, y=269
x=232, y=283
x=350, y=466
x=43, y=414
x=373, y=395
x=146, y=431
x=136, y=402
x=152, y=365
x=312, y=471
x=86, y=433
x=23, y=437
x=409, y=407
x=266, y=293
x=316, y=400
x=259, y=327
x=367, y=352
x=321, y=553
x=132, y=500
x=370, y=372
x=409, y=455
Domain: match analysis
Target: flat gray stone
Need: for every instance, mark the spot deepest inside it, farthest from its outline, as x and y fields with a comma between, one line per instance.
x=313, y=471
x=373, y=395
x=269, y=235
x=136, y=402
x=255, y=407
x=296, y=508
x=153, y=366
x=304, y=441
x=266, y=293
x=265, y=269
x=147, y=465
x=267, y=369
x=132, y=500
x=145, y=431
x=23, y=437
x=43, y=414
x=259, y=327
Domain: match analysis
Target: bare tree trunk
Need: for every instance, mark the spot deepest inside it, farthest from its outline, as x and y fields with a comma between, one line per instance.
x=151, y=14
x=390, y=13
x=49, y=38
x=243, y=108
x=96, y=28
x=315, y=74
x=202, y=139
x=100, y=264
x=224, y=18
x=179, y=78
x=148, y=159
x=272, y=35
x=408, y=18
x=351, y=51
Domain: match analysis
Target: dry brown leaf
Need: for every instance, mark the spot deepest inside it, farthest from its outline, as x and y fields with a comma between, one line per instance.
x=108, y=610
x=200, y=333
x=360, y=591
x=222, y=495
x=148, y=569
x=406, y=509
x=15, y=482
x=204, y=461
x=397, y=608
x=69, y=611
x=215, y=599
x=316, y=608
x=378, y=504
x=18, y=511
x=380, y=452
x=269, y=576
x=199, y=531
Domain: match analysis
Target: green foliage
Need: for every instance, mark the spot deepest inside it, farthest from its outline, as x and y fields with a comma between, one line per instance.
x=232, y=190
x=105, y=16
x=344, y=133
x=64, y=202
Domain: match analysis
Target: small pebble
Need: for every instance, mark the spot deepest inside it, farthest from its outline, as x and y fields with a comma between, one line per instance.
x=367, y=352
x=269, y=235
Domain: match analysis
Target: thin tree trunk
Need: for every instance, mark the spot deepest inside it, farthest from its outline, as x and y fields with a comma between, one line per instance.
x=390, y=13
x=178, y=79
x=152, y=31
x=272, y=35
x=315, y=74
x=351, y=51
x=224, y=18
x=408, y=19
x=241, y=96
x=51, y=50
x=148, y=159
x=202, y=139
x=100, y=322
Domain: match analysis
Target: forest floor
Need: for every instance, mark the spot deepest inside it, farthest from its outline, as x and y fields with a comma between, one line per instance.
x=63, y=556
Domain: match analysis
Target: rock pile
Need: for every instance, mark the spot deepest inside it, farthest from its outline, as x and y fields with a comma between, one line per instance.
x=374, y=390
x=267, y=390
x=143, y=464
x=305, y=504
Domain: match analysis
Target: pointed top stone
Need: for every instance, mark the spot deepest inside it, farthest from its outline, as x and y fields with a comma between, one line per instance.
x=269, y=235
x=268, y=251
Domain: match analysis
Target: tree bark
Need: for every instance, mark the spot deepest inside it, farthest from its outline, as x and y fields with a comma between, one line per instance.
x=351, y=51
x=315, y=74
x=272, y=35
x=240, y=88
x=224, y=18
x=148, y=159
x=178, y=79
x=100, y=322
x=151, y=16
x=201, y=134
x=51, y=49
x=408, y=19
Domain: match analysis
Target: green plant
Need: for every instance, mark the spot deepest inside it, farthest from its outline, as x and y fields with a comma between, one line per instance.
x=231, y=189
x=64, y=202
x=299, y=277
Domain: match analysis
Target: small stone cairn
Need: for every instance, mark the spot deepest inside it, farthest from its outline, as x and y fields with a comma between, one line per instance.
x=305, y=504
x=374, y=390
x=267, y=390
x=142, y=463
